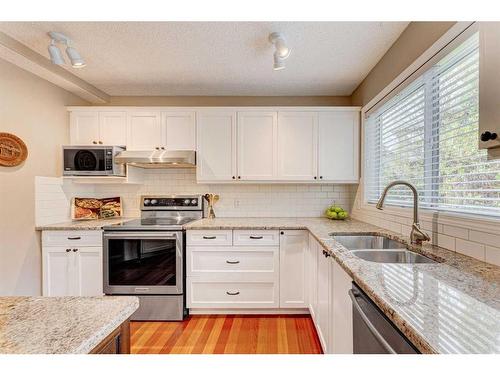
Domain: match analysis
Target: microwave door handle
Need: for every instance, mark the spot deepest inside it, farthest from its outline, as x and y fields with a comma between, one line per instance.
x=369, y=324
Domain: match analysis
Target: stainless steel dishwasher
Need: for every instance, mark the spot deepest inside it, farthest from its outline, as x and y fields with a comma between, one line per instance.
x=373, y=333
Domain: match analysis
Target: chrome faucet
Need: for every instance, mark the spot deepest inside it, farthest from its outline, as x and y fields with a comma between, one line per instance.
x=416, y=234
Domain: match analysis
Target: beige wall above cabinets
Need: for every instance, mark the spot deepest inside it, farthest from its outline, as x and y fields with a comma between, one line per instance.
x=412, y=43
x=236, y=144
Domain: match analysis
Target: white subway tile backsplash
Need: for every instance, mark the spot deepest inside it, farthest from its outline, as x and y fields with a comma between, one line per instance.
x=486, y=238
x=472, y=249
x=456, y=231
x=492, y=255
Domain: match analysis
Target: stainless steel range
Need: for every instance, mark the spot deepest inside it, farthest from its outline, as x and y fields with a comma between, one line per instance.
x=146, y=257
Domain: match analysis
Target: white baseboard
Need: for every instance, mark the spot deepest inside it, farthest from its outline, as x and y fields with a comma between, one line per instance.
x=248, y=311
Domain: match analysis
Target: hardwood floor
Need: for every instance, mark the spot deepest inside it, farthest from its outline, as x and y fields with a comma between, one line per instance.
x=230, y=334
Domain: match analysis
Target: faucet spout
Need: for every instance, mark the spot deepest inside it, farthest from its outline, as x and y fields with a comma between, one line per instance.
x=417, y=236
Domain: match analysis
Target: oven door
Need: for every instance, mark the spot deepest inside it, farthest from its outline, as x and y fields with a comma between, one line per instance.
x=143, y=262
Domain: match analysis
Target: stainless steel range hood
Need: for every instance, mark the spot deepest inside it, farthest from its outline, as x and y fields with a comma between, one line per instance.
x=158, y=159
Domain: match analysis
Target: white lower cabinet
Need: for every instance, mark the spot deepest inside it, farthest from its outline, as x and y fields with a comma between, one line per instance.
x=72, y=263
x=323, y=311
x=293, y=255
x=340, y=311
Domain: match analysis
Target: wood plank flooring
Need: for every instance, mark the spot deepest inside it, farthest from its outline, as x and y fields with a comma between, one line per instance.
x=229, y=334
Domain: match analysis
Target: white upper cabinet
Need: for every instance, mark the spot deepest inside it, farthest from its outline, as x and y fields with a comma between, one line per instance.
x=216, y=145
x=94, y=128
x=113, y=128
x=84, y=128
x=144, y=131
x=489, y=85
x=179, y=130
x=338, y=151
x=257, y=145
x=297, y=146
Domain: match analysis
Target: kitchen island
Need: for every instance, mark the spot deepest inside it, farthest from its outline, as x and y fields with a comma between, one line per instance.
x=65, y=325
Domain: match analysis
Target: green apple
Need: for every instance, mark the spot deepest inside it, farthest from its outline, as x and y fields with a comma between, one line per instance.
x=343, y=215
x=338, y=209
x=331, y=215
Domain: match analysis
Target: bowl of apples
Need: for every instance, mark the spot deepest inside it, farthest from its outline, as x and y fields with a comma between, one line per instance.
x=336, y=213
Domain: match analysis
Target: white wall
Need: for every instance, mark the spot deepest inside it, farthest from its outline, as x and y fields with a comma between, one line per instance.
x=34, y=110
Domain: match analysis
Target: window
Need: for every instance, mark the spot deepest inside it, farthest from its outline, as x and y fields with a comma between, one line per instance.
x=428, y=136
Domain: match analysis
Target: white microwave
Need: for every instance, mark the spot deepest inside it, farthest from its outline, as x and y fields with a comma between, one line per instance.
x=92, y=161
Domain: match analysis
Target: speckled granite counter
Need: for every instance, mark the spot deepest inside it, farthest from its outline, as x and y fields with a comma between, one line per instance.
x=57, y=325
x=84, y=224
x=447, y=307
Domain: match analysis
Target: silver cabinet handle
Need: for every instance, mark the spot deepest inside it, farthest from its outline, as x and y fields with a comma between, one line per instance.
x=232, y=293
x=256, y=237
x=209, y=237
x=232, y=261
x=74, y=238
x=369, y=324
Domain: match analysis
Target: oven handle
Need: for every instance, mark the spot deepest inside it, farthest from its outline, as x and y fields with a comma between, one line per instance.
x=141, y=235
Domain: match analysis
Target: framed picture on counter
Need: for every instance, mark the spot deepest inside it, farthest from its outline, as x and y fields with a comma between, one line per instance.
x=96, y=208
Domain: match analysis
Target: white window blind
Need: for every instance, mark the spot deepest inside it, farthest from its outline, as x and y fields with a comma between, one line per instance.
x=428, y=136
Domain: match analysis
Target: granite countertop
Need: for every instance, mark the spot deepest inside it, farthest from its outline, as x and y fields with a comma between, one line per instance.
x=84, y=224
x=60, y=325
x=452, y=306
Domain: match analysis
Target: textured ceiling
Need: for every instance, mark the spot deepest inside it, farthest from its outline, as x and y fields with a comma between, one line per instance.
x=218, y=58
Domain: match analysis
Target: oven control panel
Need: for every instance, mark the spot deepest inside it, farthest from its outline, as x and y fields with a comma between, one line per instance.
x=171, y=202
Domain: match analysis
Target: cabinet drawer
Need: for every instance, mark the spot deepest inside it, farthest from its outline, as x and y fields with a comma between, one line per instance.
x=256, y=237
x=210, y=237
x=215, y=294
x=72, y=238
x=228, y=260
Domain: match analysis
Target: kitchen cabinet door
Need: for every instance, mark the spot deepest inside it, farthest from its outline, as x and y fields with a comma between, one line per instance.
x=88, y=271
x=489, y=84
x=216, y=145
x=57, y=267
x=179, y=130
x=257, y=145
x=312, y=277
x=113, y=128
x=341, y=311
x=338, y=146
x=84, y=128
x=293, y=281
x=297, y=146
x=324, y=297
x=144, y=131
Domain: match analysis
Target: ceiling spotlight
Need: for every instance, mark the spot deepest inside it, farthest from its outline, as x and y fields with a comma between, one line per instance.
x=282, y=51
x=55, y=53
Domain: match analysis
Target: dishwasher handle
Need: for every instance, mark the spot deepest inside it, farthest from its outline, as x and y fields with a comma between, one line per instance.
x=369, y=324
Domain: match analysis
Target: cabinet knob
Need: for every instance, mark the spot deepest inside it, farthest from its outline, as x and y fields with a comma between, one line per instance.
x=320, y=177
x=75, y=250
x=157, y=148
x=94, y=142
x=163, y=148
x=68, y=250
x=239, y=177
x=234, y=177
x=282, y=232
x=315, y=177
x=100, y=142
x=488, y=136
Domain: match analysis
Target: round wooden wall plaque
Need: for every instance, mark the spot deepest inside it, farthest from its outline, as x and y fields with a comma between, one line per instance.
x=13, y=150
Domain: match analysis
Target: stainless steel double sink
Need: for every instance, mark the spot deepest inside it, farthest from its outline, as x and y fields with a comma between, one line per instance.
x=380, y=249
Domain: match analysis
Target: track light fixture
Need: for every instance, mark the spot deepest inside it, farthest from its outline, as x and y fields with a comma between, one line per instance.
x=282, y=51
x=55, y=53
